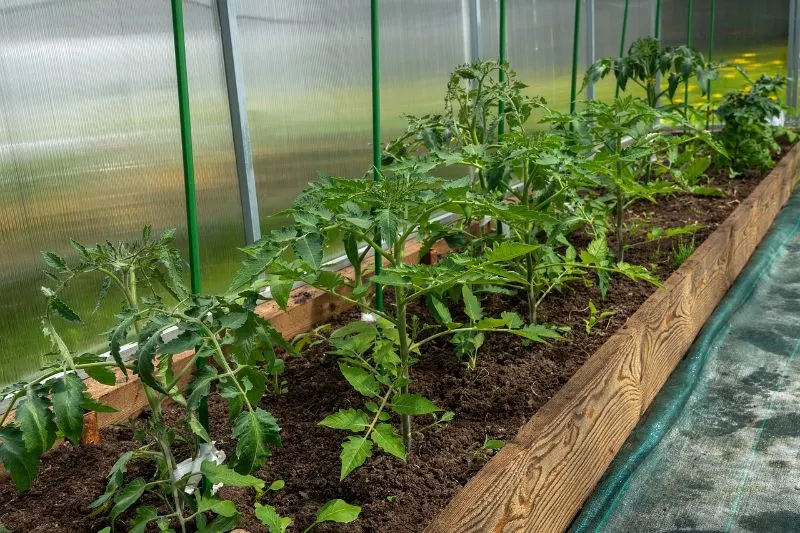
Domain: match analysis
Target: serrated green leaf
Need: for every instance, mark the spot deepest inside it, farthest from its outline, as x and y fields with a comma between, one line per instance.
x=309, y=249
x=55, y=261
x=268, y=516
x=233, y=320
x=126, y=497
x=200, y=385
x=513, y=320
x=390, y=279
x=337, y=511
x=101, y=294
x=388, y=224
x=506, y=251
x=36, y=422
x=255, y=432
x=472, y=307
x=440, y=310
x=198, y=429
x=102, y=374
x=280, y=290
x=361, y=380
x=67, y=406
x=347, y=419
x=252, y=267
x=220, y=524
x=90, y=404
x=385, y=436
x=491, y=323
x=149, y=342
x=186, y=341
x=413, y=404
x=224, y=508
x=23, y=465
x=63, y=310
x=217, y=474
x=538, y=333
x=363, y=223
x=355, y=450
x=144, y=515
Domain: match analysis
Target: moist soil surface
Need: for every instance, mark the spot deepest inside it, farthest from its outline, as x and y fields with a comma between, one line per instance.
x=512, y=380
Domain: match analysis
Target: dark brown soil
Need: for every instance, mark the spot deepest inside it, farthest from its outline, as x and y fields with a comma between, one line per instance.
x=511, y=382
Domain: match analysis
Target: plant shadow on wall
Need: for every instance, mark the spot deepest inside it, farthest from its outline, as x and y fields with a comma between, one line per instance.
x=535, y=213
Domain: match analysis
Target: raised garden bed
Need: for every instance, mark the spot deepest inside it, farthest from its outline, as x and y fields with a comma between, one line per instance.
x=541, y=477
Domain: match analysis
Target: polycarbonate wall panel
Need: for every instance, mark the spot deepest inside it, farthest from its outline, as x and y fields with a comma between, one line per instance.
x=307, y=77
x=749, y=34
x=609, y=15
x=90, y=148
x=422, y=41
x=540, y=47
x=219, y=207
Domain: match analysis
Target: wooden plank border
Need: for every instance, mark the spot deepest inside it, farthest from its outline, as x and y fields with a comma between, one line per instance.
x=540, y=480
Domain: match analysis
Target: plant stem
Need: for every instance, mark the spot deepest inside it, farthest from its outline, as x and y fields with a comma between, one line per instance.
x=401, y=310
x=619, y=223
x=620, y=202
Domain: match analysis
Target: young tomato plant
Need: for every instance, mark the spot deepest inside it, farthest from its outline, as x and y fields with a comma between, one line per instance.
x=164, y=321
x=624, y=147
x=748, y=135
x=376, y=357
x=647, y=61
x=467, y=132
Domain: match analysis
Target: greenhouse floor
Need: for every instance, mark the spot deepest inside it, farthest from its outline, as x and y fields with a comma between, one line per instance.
x=719, y=449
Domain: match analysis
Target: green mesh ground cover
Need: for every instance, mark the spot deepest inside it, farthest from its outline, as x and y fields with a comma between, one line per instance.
x=719, y=448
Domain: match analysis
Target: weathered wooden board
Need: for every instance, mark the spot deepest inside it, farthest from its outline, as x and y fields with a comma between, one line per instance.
x=539, y=480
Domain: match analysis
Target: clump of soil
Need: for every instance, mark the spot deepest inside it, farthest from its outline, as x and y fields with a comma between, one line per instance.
x=512, y=381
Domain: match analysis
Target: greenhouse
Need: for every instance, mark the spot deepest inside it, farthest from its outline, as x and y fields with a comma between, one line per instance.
x=441, y=266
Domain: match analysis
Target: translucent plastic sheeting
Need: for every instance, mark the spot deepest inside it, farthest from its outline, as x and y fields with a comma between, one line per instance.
x=540, y=40
x=718, y=450
x=307, y=77
x=90, y=149
x=749, y=34
x=422, y=41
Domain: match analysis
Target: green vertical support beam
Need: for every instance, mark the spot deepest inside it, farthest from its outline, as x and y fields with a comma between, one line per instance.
x=186, y=145
x=689, y=13
x=657, y=35
x=502, y=59
x=376, y=127
x=711, y=28
x=657, y=29
x=575, y=42
x=622, y=39
x=188, y=168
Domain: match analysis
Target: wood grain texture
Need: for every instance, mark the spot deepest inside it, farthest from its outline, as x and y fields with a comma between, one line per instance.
x=539, y=480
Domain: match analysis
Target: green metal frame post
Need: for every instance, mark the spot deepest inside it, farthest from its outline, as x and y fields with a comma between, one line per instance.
x=188, y=167
x=711, y=27
x=502, y=59
x=622, y=39
x=575, y=41
x=186, y=145
x=689, y=13
x=657, y=29
x=376, y=127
